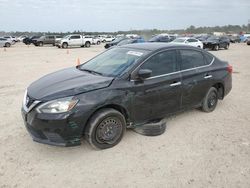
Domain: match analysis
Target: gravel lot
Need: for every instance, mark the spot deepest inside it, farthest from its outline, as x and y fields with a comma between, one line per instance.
x=197, y=150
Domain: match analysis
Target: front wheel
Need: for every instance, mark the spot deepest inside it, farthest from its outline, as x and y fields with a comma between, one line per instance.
x=40, y=43
x=64, y=45
x=227, y=46
x=216, y=47
x=210, y=101
x=105, y=128
x=87, y=44
x=98, y=42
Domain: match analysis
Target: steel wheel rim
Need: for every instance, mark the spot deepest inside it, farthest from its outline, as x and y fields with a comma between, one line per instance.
x=212, y=100
x=109, y=130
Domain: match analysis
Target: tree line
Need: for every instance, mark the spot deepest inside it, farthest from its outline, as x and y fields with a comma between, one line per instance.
x=229, y=29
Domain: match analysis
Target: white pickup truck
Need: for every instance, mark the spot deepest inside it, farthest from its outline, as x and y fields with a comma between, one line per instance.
x=74, y=40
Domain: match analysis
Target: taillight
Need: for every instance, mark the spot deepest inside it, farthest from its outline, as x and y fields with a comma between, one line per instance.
x=230, y=69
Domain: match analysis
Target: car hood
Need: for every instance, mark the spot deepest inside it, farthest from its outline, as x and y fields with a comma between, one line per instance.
x=211, y=41
x=66, y=82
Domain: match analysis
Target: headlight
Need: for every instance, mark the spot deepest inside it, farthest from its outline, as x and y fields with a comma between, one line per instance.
x=58, y=106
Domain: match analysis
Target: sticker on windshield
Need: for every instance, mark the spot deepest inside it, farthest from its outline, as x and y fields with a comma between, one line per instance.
x=135, y=53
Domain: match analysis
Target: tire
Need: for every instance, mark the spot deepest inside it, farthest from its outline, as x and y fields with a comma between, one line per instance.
x=227, y=46
x=98, y=42
x=65, y=45
x=87, y=44
x=105, y=128
x=40, y=44
x=216, y=47
x=7, y=45
x=104, y=41
x=199, y=46
x=153, y=128
x=210, y=101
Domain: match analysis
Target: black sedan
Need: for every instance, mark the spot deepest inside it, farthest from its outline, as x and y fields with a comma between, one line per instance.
x=216, y=42
x=30, y=40
x=124, y=87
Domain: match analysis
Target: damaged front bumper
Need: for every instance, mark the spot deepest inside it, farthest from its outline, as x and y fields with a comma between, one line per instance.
x=53, y=129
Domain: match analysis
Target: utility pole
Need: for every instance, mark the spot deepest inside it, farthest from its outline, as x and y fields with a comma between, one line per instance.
x=248, y=26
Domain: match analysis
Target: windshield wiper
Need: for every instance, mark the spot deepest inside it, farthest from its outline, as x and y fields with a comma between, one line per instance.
x=91, y=71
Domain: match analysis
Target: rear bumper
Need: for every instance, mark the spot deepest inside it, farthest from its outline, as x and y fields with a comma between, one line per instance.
x=227, y=84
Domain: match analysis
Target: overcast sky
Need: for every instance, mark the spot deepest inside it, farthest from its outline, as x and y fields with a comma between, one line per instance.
x=114, y=15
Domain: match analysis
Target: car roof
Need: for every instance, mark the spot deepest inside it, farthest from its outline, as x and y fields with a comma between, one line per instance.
x=153, y=46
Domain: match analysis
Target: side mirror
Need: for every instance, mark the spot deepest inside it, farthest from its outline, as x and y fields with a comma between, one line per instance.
x=144, y=73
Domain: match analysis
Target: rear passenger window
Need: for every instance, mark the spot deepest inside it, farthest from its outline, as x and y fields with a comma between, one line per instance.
x=208, y=58
x=162, y=63
x=191, y=59
x=75, y=37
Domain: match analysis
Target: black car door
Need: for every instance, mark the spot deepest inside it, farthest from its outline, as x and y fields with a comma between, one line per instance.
x=196, y=77
x=160, y=94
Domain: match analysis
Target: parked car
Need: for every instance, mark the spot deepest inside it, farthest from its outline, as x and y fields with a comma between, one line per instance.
x=30, y=40
x=5, y=42
x=188, y=41
x=11, y=39
x=114, y=42
x=217, y=42
x=108, y=39
x=234, y=39
x=161, y=38
x=96, y=40
x=73, y=41
x=47, y=39
x=20, y=38
x=123, y=87
x=131, y=41
x=248, y=40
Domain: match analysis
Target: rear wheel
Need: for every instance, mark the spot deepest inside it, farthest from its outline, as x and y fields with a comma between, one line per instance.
x=7, y=45
x=210, y=101
x=87, y=44
x=227, y=46
x=105, y=129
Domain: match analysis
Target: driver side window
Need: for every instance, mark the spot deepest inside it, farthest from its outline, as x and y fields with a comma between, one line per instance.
x=162, y=63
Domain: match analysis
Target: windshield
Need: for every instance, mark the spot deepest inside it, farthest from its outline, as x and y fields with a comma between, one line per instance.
x=113, y=62
x=118, y=39
x=67, y=36
x=126, y=41
x=155, y=38
x=179, y=40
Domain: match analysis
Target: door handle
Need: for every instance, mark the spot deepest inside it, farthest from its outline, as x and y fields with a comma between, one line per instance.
x=175, y=84
x=208, y=76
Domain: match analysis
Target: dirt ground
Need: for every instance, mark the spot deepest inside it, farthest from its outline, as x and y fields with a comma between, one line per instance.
x=197, y=150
